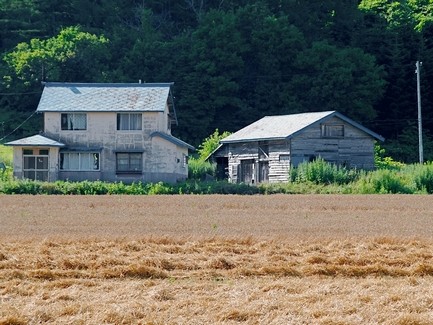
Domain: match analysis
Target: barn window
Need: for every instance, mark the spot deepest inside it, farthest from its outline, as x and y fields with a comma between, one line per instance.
x=129, y=162
x=285, y=158
x=73, y=121
x=79, y=161
x=332, y=131
x=129, y=121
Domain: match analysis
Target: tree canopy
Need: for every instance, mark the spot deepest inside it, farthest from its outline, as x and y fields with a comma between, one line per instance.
x=232, y=62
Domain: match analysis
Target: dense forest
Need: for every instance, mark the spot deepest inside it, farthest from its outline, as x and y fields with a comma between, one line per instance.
x=231, y=62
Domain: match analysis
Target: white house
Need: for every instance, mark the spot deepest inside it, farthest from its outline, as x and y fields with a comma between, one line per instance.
x=109, y=132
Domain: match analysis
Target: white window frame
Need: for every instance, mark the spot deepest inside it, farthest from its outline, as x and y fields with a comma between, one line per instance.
x=128, y=119
x=36, y=154
x=68, y=120
x=93, y=160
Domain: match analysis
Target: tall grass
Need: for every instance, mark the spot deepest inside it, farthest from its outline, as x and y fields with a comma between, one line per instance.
x=317, y=177
x=6, y=155
x=321, y=172
x=410, y=179
x=200, y=170
x=6, y=163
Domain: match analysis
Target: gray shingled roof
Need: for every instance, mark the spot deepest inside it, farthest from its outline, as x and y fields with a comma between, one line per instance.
x=286, y=126
x=102, y=97
x=35, y=141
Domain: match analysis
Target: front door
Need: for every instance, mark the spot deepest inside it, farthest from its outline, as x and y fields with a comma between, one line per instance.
x=35, y=164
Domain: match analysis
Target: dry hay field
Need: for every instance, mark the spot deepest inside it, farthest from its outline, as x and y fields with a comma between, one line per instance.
x=278, y=259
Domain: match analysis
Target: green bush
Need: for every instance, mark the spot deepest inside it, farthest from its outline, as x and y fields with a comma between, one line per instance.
x=316, y=177
x=421, y=176
x=384, y=181
x=321, y=172
x=199, y=169
x=385, y=162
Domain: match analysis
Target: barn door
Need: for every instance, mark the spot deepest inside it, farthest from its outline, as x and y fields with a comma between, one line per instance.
x=247, y=171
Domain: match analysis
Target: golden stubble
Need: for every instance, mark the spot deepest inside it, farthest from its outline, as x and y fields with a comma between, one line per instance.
x=66, y=269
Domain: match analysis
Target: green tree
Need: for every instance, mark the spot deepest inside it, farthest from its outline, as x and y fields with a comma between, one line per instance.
x=347, y=80
x=210, y=144
x=209, y=87
x=72, y=55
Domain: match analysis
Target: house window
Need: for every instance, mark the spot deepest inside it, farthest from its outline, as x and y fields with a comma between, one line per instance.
x=332, y=131
x=129, y=162
x=35, y=164
x=73, y=121
x=129, y=121
x=79, y=161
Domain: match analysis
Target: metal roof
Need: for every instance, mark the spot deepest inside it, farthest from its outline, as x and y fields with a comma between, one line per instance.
x=172, y=139
x=286, y=126
x=35, y=141
x=103, y=97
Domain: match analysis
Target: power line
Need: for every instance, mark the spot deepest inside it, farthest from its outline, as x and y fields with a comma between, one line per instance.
x=28, y=118
x=25, y=93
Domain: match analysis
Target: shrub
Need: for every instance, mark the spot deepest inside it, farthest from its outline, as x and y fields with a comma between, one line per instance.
x=421, y=175
x=384, y=181
x=210, y=144
x=321, y=172
x=384, y=162
x=199, y=169
x=160, y=188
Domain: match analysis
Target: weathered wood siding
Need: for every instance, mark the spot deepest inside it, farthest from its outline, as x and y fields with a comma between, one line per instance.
x=354, y=150
x=278, y=169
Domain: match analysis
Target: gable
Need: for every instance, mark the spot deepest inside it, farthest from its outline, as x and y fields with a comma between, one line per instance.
x=288, y=126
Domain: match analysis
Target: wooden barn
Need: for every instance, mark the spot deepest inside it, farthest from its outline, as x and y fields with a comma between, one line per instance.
x=265, y=150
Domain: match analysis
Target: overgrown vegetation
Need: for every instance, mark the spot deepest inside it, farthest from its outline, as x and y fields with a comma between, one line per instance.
x=316, y=177
x=6, y=158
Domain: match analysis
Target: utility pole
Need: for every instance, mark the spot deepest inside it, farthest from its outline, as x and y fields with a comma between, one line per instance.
x=418, y=87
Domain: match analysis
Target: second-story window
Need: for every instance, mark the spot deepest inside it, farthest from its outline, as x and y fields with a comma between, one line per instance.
x=129, y=121
x=73, y=121
x=332, y=131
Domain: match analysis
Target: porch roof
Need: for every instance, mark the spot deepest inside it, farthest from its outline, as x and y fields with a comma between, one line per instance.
x=35, y=141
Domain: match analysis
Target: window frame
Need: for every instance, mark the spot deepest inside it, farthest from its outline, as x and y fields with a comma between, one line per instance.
x=35, y=170
x=129, y=169
x=332, y=131
x=131, y=124
x=68, y=119
x=81, y=155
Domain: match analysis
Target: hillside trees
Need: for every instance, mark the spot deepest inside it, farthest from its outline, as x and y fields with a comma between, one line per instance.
x=403, y=29
x=72, y=55
x=232, y=61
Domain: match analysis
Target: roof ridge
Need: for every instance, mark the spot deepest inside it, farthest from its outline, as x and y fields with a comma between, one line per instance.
x=101, y=84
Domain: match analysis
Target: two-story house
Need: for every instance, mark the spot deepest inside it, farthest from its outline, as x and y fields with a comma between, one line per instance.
x=109, y=132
